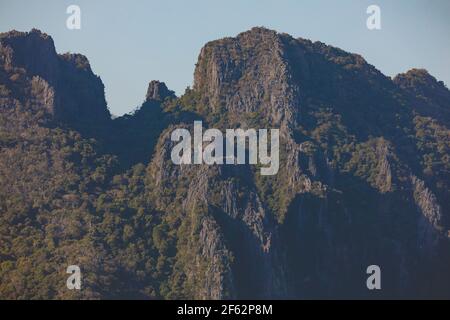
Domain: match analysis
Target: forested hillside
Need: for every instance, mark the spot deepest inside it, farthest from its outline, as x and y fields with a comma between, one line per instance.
x=364, y=178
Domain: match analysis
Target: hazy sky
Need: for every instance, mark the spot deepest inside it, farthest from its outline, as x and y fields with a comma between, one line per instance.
x=129, y=43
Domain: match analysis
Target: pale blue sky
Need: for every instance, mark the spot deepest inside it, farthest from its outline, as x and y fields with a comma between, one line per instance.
x=129, y=43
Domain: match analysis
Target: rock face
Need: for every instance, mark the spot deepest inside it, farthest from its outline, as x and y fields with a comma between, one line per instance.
x=333, y=169
x=248, y=74
x=364, y=175
x=158, y=91
x=64, y=84
x=17, y=46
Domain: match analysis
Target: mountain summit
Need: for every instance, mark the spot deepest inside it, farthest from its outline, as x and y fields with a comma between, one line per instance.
x=363, y=180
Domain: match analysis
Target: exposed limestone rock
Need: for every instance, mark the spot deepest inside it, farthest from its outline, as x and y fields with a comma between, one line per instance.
x=77, y=97
x=363, y=176
x=42, y=93
x=158, y=91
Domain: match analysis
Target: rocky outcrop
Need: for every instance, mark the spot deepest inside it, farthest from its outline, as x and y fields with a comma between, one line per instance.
x=33, y=51
x=158, y=91
x=63, y=84
x=430, y=227
x=232, y=221
x=363, y=173
x=266, y=79
x=248, y=74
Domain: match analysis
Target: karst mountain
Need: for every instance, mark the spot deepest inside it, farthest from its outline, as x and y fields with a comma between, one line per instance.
x=364, y=178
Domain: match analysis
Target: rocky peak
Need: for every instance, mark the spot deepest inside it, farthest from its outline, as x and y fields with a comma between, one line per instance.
x=64, y=84
x=270, y=74
x=158, y=91
x=361, y=179
x=248, y=74
x=33, y=51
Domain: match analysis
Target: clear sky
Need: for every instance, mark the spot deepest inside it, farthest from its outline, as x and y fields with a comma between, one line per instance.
x=129, y=43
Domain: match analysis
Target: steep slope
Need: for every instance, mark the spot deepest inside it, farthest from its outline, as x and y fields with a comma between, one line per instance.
x=350, y=191
x=363, y=179
x=62, y=85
